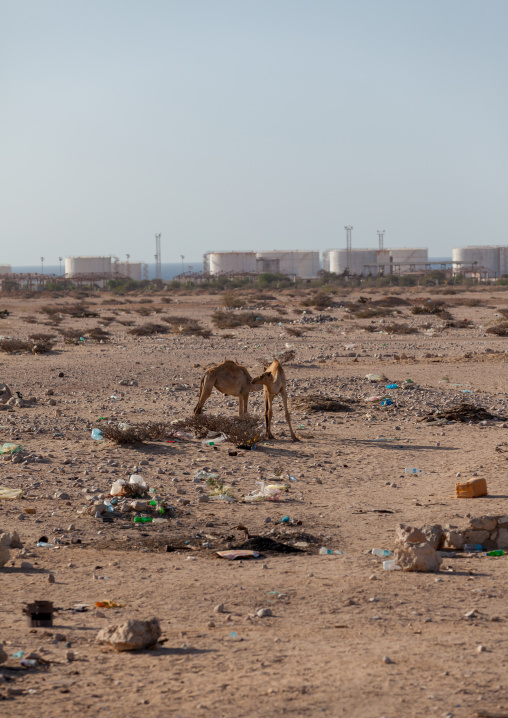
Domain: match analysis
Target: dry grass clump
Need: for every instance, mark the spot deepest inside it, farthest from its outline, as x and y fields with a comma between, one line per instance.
x=11, y=346
x=185, y=325
x=459, y=324
x=30, y=320
x=503, y=312
x=371, y=312
x=77, y=311
x=390, y=301
x=137, y=433
x=4, y=313
x=318, y=402
x=97, y=334
x=71, y=334
x=230, y=320
x=42, y=337
x=320, y=300
x=144, y=311
x=145, y=330
x=240, y=430
x=400, y=328
x=500, y=330
x=232, y=300
x=293, y=331
x=434, y=307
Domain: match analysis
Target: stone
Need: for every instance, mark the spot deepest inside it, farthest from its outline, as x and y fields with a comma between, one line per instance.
x=480, y=649
x=387, y=659
x=409, y=534
x=434, y=535
x=5, y=393
x=264, y=612
x=219, y=608
x=502, y=538
x=5, y=555
x=51, y=578
x=132, y=635
x=453, y=539
x=10, y=539
x=417, y=557
x=61, y=495
x=485, y=523
x=473, y=536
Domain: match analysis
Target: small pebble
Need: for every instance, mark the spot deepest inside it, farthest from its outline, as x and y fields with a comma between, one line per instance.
x=219, y=608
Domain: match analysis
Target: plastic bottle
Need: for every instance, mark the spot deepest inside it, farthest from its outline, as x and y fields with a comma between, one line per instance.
x=108, y=505
x=217, y=440
x=381, y=552
x=498, y=552
x=97, y=434
x=412, y=471
x=391, y=386
x=43, y=544
x=143, y=519
x=471, y=547
x=390, y=566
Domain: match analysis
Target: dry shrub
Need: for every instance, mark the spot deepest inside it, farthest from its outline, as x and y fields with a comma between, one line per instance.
x=143, y=311
x=468, y=302
x=137, y=433
x=399, y=328
x=240, y=430
x=459, y=324
x=434, y=307
x=390, y=301
x=293, y=331
x=500, y=330
x=230, y=320
x=4, y=313
x=369, y=313
x=317, y=402
x=125, y=322
x=145, y=330
x=42, y=337
x=232, y=300
x=97, y=333
x=503, y=312
x=70, y=333
x=30, y=320
x=10, y=346
x=185, y=325
x=320, y=300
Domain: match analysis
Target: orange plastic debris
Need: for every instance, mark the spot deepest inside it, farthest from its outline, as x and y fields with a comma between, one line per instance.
x=471, y=489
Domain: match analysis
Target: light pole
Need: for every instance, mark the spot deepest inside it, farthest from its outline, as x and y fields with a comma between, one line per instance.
x=42, y=265
x=60, y=261
x=182, y=257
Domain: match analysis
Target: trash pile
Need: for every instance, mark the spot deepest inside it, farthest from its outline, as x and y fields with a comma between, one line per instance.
x=463, y=412
x=318, y=402
x=317, y=319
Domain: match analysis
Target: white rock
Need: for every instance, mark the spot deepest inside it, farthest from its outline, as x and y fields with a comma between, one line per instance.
x=133, y=635
x=417, y=557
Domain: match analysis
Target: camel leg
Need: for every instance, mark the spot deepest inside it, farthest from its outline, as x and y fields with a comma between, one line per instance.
x=245, y=397
x=286, y=412
x=268, y=414
x=206, y=390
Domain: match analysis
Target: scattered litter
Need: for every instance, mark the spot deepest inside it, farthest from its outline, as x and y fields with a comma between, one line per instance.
x=10, y=448
x=39, y=614
x=217, y=440
x=412, y=471
x=381, y=552
x=97, y=435
x=387, y=402
x=462, y=412
x=391, y=386
x=390, y=566
x=266, y=492
x=375, y=377
x=498, y=552
x=473, y=547
x=233, y=554
x=109, y=604
x=323, y=551
x=7, y=493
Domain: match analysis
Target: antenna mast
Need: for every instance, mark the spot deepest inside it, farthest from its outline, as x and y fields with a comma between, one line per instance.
x=348, y=229
x=381, y=234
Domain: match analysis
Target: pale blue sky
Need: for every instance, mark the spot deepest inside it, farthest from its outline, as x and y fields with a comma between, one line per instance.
x=226, y=124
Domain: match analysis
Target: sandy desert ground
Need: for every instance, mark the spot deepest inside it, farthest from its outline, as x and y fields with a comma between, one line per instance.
x=345, y=638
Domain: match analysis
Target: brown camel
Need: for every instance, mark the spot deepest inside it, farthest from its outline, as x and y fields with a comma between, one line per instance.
x=229, y=378
x=273, y=380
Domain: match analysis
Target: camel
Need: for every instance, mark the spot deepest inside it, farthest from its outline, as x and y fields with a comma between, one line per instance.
x=229, y=378
x=273, y=380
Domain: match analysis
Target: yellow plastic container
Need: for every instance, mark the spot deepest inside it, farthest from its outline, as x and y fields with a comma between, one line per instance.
x=471, y=489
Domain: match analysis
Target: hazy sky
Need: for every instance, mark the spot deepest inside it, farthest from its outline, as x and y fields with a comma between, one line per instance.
x=271, y=124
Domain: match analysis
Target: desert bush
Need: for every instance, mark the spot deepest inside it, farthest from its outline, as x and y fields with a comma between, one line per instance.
x=369, y=313
x=293, y=331
x=500, y=330
x=230, y=320
x=232, y=300
x=70, y=333
x=320, y=300
x=97, y=333
x=459, y=324
x=42, y=337
x=146, y=330
x=143, y=311
x=435, y=307
x=399, y=328
x=10, y=346
x=185, y=325
x=30, y=320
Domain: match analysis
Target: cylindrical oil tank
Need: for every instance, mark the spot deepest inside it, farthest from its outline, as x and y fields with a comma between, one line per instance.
x=503, y=260
x=298, y=263
x=128, y=269
x=476, y=258
x=407, y=259
x=87, y=265
x=5, y=269
x=357, y=261
x=232, y=262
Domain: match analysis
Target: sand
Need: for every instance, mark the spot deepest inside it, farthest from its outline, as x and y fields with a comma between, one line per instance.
x=335, y=618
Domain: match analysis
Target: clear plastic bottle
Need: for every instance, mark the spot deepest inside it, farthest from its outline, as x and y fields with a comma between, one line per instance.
x=381, y=552
x=390, y=566
x=412, y=471
x=97, y=434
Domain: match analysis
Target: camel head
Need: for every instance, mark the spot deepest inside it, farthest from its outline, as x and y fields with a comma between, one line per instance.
x=263, y=378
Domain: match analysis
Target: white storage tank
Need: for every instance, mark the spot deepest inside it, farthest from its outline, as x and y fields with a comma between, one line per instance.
x=384, y=261
x=87, y=265
x=133, y=270
x=476, y=257
x=503, y=260
x=357, y=261
x=298, y=263
x=407, y=259
x=232, y=262
x=5, y=269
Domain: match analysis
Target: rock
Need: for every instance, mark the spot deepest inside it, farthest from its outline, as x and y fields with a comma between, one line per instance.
x=219, y=608
x=417, y=557
x=388, y=660
x=70, y=656
x=5, y=393
x=138, y=505
x=5, y=555
x=472, y=536
x=434, y=535
x=502, y=538
x=11, y=539
x=264, y=612
x=409, y=534
x=62, y=495
x=51, y=578
x=453, y=539
x=16, y=401
x=480, y=649
x=485, y=523
x=133, y=635
x=3, y=654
